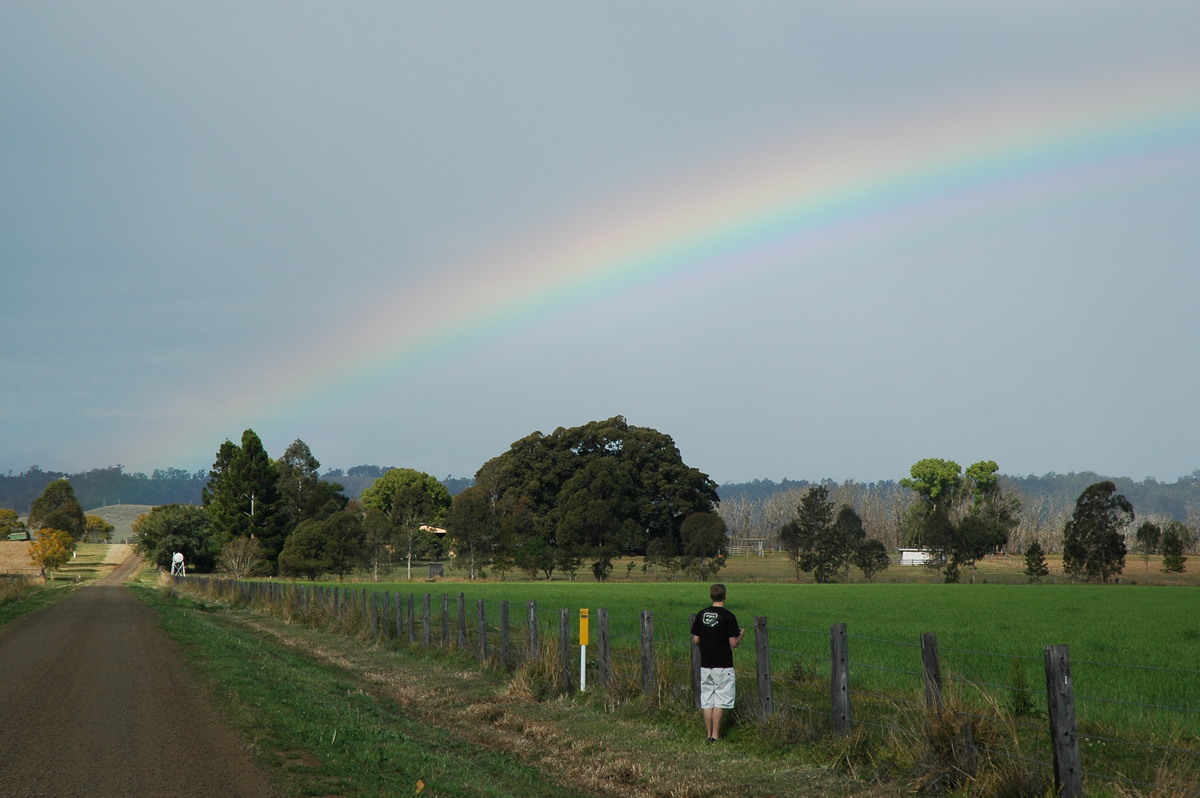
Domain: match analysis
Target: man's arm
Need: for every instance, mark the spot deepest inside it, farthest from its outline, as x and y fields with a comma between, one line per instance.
x=733, y=641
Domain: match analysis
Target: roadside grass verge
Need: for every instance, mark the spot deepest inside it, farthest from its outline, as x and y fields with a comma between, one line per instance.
x=20, y=596
x=332, y=715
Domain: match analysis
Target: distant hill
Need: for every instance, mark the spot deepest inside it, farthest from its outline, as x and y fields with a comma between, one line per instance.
x=121, y=516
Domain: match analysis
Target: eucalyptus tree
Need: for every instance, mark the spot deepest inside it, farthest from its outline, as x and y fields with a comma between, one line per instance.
x=410, y=499
x=1094, y=537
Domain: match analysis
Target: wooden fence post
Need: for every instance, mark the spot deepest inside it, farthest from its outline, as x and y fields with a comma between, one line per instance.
x=504, y=632
x=603, y=653
x=762, y=651
x=647, y=652
x=398, y=603
x=695, y=663
x=840, y=687
x=564, y=651
x=412, y=619
x=1064, y=739
x=531, y=625
x=932, y=668
x=425, y=622
x=445, y=620
x=462, y=620
x=483, y=637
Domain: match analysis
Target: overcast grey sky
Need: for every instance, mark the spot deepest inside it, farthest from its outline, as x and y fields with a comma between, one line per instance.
x=805, y=239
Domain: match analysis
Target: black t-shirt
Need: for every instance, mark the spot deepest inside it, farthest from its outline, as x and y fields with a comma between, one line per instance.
x=714, y=626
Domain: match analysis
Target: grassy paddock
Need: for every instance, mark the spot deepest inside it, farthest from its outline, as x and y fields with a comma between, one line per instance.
x=1135, y=651
x=1135, y=689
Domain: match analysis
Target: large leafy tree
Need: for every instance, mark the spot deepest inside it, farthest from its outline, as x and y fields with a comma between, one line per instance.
x=57, y=508
x=409, y=499
x=704, y=544
x=304, y=552
x=1176, y=538
x=800, y=537
x=242, y=495
x=302, y=492
x=51, y=550
x=962, y=517
x=534, y=471
x=172, y=528
x=473, y=528
x=820, y=541
x=1094, y=537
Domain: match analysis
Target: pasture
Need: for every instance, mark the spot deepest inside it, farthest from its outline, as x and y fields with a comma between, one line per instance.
x=1135, y=650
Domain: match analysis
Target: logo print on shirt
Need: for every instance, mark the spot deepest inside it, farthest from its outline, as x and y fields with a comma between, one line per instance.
x=710, y=619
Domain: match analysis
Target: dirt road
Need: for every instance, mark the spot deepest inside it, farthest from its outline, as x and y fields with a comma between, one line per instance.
x=96, y=701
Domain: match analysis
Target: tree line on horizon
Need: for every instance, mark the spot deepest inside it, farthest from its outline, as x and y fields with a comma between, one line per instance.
x=576, y=498
x=587, y=495
x=1051, y=493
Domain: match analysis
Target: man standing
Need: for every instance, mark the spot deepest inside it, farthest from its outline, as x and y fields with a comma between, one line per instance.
x=716, y=631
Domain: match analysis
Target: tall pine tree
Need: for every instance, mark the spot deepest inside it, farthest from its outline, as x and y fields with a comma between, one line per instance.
x=242, y=495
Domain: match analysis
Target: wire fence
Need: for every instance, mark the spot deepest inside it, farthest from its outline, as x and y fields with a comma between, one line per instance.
x=1132, y=727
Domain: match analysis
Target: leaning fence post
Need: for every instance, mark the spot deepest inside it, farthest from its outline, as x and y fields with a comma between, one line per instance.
x=603, y=653
x=647, y=652
x=1064, y=739
x=840, y=687
x=932, y=669
x=762, y=651
x=695, y=663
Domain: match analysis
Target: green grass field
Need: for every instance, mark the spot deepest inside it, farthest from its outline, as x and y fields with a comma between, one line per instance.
x=1135, y=651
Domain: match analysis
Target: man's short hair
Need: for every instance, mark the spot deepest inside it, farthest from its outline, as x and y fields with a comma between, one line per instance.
x=717, y=592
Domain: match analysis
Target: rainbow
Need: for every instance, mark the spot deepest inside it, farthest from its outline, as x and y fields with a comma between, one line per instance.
x=730, y=224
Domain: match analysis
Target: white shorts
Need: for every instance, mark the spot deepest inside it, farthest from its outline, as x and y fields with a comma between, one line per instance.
x=718, y=688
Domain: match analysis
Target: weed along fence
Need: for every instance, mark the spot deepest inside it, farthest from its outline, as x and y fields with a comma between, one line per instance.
x=1084, y=727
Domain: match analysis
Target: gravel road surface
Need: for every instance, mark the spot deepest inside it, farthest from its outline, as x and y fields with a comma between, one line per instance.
x=96, y=701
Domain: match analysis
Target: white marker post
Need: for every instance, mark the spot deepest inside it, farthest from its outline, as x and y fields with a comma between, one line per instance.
x=583, y=641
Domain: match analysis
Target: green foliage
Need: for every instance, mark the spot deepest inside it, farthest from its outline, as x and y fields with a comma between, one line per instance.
x=1035, y=562
x=963, y=521
x=409, y=485
x=343, y=542
x=704, y=544
x=1094, y=537
x=183, y=528
x=97, y=530
x=304, y=554
x=302, y=493
x=11, y=524
x=242, y=495
x=57, y=508
x=586, y=489
x=1174, y=540
x=871, y=557
x=817, y=541
x=936, y=481
x=51, y=549
x=473, y=528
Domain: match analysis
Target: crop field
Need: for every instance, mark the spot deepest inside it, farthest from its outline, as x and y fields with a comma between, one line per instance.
x=1135, y=651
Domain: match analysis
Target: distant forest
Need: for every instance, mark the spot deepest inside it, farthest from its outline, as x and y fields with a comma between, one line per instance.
x=1179, y=500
